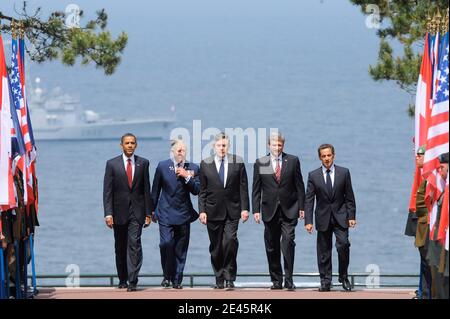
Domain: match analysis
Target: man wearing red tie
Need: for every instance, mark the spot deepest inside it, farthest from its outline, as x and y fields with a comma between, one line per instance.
x=128, y=205
x=278, y=200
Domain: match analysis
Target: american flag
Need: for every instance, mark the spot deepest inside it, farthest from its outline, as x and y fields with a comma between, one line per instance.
x=7, y=198
x=438, y=133
x=18, y=99
x=31, y=154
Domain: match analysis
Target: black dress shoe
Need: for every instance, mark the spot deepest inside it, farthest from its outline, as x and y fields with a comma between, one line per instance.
x=276, y=286
x=289, y=284
x=345, y=284
x=324, y=288
x=122, y=285
x=165, y=283
x=290, y=287
x=229, y=284
x=177, y=286
x=131, y=287
x=219, y=285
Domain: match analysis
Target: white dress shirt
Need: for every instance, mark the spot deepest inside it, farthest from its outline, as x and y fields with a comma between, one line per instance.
x=218, y=160
x=125, y=162
x=273, y=160
x=324, y=172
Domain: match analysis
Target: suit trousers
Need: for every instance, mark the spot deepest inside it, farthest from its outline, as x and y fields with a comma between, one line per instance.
x=223, y=248
x=324, y=248
x=173, y=246
x=425, y=272
x=280, y=227
x=128, y=249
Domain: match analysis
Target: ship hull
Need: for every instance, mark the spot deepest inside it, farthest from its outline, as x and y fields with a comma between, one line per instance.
x=151, y=129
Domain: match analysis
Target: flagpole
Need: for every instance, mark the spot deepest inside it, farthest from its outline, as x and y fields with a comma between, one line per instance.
x=2, y=275
x=17, y=279
x=25, y=269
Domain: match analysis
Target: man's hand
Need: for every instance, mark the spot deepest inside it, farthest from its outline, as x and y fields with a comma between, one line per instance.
x=109, y=221
x=181, y=172
x=257, y=217
x=301, y=214
x=309, y=228
x=203, y=218
x=148, y=221
x=244, y=215
x=352, y=223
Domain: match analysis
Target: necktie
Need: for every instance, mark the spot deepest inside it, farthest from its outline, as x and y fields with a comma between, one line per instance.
x=329, y=184
x=222, y=172
x=178, y=166
x=129, y=172
x=278, y=171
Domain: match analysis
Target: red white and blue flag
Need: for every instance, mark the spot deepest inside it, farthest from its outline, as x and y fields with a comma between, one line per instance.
x=7, y=196
x=438, y=132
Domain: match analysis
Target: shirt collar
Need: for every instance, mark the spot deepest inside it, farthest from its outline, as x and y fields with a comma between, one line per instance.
x=218, y=159
x=125, y=158
x=324, y=169
x=175, y=163
x=273, y=158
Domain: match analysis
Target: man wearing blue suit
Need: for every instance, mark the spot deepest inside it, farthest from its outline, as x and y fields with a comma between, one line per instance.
x=175, y=179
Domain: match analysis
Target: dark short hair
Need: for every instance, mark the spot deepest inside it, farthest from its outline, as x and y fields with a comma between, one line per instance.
x=324, y=146
x=443, y=158
x=126, y=135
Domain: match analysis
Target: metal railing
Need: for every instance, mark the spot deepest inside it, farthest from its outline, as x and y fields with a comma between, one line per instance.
x=195, y=280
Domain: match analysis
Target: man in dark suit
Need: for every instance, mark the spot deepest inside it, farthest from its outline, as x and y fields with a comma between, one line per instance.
x=128, y=205
x=331, y=186
x=279, y=195
x=175, y=179
x=222, y=201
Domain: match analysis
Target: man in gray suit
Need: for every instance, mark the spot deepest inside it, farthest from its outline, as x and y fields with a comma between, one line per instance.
x=128, y=206
x=331, y=186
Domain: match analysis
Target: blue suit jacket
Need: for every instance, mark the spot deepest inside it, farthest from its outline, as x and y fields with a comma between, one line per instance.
x=171, y=195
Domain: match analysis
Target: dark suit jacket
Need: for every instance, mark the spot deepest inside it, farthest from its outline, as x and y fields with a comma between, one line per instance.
x=118, y=199
x=217, y=201
x=268, y=195
x=171, y=195
x=341, y=204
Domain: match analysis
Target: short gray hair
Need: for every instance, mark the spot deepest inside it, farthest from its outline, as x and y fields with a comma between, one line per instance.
x=175, y=143
x=221, y=136
x=275, y=136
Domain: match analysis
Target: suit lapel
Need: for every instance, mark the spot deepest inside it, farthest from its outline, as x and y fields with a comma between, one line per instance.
x=212, y=167
x=336, y=174
x=229, y=168
x=137, y=170
x=322, y=182
x=122, y=170
x=283, y=166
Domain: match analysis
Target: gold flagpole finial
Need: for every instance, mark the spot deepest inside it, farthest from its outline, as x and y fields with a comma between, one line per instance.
x=21, y=30
x=444, y=23
x=438, y=18
x=429, y=24
x=13, y=29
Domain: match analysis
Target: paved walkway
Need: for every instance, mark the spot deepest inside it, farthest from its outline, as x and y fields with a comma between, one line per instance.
x=208, y=293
